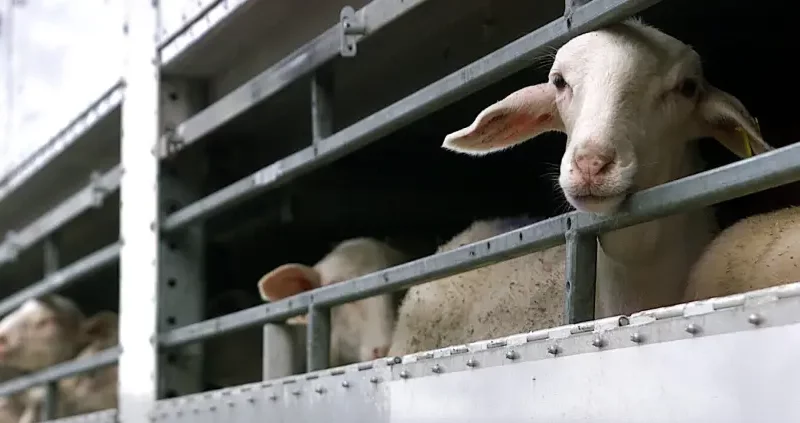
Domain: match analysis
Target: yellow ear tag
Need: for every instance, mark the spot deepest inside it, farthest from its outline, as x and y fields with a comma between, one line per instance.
x=746, y=138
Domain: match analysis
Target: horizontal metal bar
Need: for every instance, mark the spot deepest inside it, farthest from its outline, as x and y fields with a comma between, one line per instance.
x=509, y=59
x=62, y=278
x=85, y=199
x=299, y=63
x=104, y=358
x=743, y=177
x=79, y=126
x=188, y=23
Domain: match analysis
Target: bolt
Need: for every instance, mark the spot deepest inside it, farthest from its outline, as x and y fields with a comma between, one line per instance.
x=754, y=319
x=436, y=368
x=398, y=360
x=404, y=374
x=624, y=321
x=511, y=355
x=692, y=328
x=320, y=390
x=637, y=337
x=296, y=392
x=273, y=397
x=598, y=342
x=472, y=363
x=251, y=400
x=373, y=379
x=553, y=349
x=345, y=384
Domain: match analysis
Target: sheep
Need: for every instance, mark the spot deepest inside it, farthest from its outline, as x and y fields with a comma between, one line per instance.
x=522, y=294
x=757, y=252
x=361, y=330
x=40, y=333
x=632, y=100
x=95, y=390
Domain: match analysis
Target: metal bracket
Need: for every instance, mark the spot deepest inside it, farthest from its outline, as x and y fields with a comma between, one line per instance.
x=98, y=189
x=569, y=9
x=351, y=29
x=170, y=142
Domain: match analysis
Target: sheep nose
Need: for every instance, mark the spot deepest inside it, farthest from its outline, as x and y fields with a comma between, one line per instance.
x=379, y=352
x=591, y=164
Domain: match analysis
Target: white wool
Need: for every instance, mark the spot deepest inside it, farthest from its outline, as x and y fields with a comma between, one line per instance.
x=758, y=252
x=515, y=296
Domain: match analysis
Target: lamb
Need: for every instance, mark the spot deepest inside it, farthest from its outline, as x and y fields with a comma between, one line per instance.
x=758, y=252
x=519, y=295
x=632, y=101
x=88, y=392
x=361, y=330
x=40, y=333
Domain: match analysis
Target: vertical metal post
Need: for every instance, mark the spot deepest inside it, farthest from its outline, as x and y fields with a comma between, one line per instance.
x=318, y=338
x=321, y=107
x=51, y=265
x=581, y=271
x=139, y=234
x=318, y=332
x=284, y=350
x=181, y=286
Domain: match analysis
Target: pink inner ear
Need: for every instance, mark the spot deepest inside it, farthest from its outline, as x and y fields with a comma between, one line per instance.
x=286, y=281
x=520, y=116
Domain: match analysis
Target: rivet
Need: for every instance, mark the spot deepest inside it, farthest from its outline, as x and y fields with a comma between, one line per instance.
x=511, y=355
x=623, y=321
x=637, y=337
x=472, y=363
x=320, y=390
x=754, y=319
x=692, y=328
x=345, y=384
x=404, y=374
x=373, y=379
x=553, y=349
x=598, y=342
x=436, y=368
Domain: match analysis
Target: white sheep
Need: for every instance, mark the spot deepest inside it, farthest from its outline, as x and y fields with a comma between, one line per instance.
x=631, y=101
x=519, y=295
x=361, y=330
x=758, y=252
x=87, y=392
x=40, y=333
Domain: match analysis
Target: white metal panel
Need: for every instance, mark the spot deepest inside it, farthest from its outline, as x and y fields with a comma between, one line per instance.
x=58, y=56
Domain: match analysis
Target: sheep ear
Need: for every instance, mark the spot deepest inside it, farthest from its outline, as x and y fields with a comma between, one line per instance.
x=288, y=280
x=513, y=120
x=101, y=325
x=726, y=119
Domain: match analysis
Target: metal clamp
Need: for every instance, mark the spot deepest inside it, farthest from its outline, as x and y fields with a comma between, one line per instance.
x=98, y=189
x=351, y=29
x=569, y=9
x=170, y=141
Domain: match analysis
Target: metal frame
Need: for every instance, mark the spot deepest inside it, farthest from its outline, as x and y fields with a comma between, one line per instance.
x=376, y=15
x=598, y=363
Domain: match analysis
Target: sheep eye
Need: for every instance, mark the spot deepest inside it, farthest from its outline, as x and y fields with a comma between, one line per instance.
x=688, y=88
x=559, y=82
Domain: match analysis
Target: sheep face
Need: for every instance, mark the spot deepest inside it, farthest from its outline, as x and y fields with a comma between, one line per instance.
x=361, y=330
x=629, y=99
x=40, y=333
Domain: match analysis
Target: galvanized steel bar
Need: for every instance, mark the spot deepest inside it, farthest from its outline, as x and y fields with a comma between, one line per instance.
x=509, y=59
x=51, y=264
x=59, y=371
x=765, y=171
x=62, y=278
x=138, y=268
x=318, y=338
x=321, y=107
x=581, y=270
x=306, y=59
x=74, y=206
